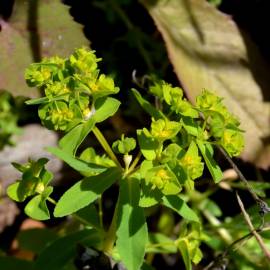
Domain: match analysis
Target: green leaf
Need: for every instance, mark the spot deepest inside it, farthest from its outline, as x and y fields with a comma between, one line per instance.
x=183, y=247
x=85, y=191
x=60, y=252
x=164, y=179
x=147, y=144
x=207, y=153
x=147, y=106
x=124, y=145
x=190, y=125
x=72, y=140
x=211, y=207
x=132, y=233
x=37, y=101
x=200, y=41
x=105, y=108
x=149, y=197
x=180, y=206
x=89, y=214
x=12, y=263
x=37, y=208
x=75, y=163
x=36, y=239
x=146, y=266
x=13, y=192
x=35, y=29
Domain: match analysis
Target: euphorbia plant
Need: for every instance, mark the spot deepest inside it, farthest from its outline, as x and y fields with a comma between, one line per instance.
x=157, y=167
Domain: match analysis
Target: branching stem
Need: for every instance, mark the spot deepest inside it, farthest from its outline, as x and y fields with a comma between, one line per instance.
x=252, y=229
x=105, y=145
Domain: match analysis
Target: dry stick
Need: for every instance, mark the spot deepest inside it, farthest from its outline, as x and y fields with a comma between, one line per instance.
x=252, y=229
x=221, y=259
x=264, y=208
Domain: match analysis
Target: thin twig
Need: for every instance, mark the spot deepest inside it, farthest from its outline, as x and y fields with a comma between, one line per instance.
x=221, y=259
x=264, y=208
x=252, y=229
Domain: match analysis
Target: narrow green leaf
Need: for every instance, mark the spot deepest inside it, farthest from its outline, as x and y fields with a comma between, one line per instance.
x=37, y=208
x=207, y=153
x=180, y=206
x=75, y=163
x=63, y=250
x=72, y=140
x=36, y=239
x=183, y=247
x=89, y=214
x=37, y=101
x=147, y=106
x=190, y=125
x=132, y=235
x=12, y=263
x=105, y=107
x=85, y=191
x=211, y=206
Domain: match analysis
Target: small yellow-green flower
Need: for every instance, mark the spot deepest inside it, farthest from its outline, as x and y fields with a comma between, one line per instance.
x=37, y=75
x=164, y=129
x=233, y=142
x=162, y=178
x=84, y=61
x=192, y=162
x=56, y=89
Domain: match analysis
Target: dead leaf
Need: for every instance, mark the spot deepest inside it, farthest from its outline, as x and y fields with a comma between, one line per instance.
x=36, y=29
x=208, y=51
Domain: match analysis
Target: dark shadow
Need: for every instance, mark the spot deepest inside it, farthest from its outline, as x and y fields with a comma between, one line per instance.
x=6, y=7
x=32, y=27
x=259, y=67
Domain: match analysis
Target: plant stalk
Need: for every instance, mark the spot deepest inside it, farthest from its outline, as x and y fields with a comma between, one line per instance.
x=105, y=145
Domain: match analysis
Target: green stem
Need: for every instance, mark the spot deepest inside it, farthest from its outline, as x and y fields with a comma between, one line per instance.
x=111, y=233
x=51, y=200
x=225, y=235
x=100, y=212
x=105, y=146
x=134, y=163
x=161, y=245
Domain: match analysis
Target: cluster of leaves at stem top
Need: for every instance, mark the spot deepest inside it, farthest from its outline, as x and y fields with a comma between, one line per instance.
x=72, y=87
x=175, y=149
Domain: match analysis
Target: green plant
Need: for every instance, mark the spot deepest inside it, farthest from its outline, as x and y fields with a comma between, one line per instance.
x=9, y=115
x=159, y=167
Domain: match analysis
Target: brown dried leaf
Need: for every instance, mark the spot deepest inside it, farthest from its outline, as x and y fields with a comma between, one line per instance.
x=36, y=29
x=208, y=51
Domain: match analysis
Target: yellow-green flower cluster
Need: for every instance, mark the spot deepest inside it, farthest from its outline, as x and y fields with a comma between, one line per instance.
x=173, y=96
x=224, y=126
x=71, y=88
x=192, y=162
x=164, y=129
x=162, y=178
